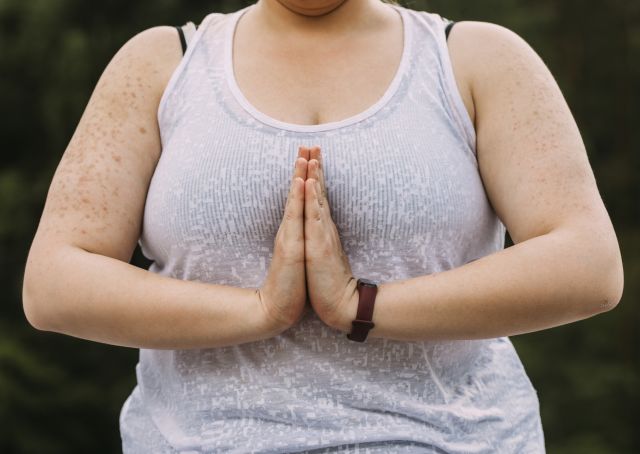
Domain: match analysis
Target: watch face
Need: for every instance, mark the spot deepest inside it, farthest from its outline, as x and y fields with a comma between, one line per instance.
x=368, y=282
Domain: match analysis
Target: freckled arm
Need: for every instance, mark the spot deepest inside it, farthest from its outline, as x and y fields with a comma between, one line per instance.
x=565, y=264
x=77, y=278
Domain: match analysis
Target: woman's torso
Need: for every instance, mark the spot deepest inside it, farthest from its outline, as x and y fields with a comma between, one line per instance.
x=407, y=198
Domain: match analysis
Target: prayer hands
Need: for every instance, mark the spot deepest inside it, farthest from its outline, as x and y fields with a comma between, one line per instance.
x=307, y=244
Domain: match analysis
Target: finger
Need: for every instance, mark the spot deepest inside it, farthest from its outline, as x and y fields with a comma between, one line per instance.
x=312, y=206
x=313, y=171
x=295, y=197
x=300, y=169
x=303, y=152
x=292, y=225
x=316, y=154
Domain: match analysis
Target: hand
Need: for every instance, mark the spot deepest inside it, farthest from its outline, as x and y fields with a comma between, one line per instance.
x=330, y=282
x=283, y=294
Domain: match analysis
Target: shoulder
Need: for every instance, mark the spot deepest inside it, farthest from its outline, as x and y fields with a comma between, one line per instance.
x=490, y=35
x=150, y=56
x=152, y=44
x=489, y=55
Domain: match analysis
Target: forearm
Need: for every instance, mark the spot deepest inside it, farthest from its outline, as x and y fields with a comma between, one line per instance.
x=95, y=297
x=546, y=281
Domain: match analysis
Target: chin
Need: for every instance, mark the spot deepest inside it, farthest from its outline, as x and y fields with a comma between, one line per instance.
x=311, y=7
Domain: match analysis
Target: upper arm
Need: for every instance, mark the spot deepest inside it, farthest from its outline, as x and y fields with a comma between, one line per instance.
x=531, y=156
x=97, y=194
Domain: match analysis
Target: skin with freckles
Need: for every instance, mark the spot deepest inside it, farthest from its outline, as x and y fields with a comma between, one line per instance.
x=301, y=62
x=98, y=190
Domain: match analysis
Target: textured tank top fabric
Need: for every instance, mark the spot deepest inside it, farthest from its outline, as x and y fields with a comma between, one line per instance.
x=407, y=199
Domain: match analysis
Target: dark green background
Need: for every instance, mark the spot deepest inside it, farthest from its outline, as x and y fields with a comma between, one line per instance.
x=60, y=394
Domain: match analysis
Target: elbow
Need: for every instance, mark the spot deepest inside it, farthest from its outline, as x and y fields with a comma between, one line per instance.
x=610, y=278
x=32, y=310
x=605, y=303
x=593, y=265
x=613, y=291
x=36, y=297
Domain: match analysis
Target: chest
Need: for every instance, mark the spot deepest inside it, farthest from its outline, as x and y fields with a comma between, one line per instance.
x=400, y=183
x=310, y=83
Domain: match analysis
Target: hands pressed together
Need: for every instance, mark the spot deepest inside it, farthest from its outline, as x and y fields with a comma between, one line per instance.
x=308, y=259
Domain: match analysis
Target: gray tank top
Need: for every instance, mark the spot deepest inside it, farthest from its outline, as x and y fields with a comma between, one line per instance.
x=407, y=199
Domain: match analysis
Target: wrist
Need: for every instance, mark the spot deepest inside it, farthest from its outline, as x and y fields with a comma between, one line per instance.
x=269, y=325
x=347, y=311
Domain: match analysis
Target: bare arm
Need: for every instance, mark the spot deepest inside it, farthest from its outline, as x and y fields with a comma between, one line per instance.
x=565, y=264
x=77, y=278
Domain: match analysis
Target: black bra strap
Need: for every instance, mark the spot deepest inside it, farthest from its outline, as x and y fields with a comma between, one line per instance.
x=448, y=28
x=183, y=41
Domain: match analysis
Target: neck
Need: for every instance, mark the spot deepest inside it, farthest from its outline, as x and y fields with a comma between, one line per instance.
x=311, y=18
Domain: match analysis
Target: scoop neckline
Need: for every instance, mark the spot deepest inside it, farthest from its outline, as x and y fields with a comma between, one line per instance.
x=368, y=112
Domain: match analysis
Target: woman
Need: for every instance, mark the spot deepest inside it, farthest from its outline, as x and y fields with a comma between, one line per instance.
x=411, y=155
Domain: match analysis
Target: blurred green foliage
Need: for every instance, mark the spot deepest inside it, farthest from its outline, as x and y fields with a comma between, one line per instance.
x=59, y=394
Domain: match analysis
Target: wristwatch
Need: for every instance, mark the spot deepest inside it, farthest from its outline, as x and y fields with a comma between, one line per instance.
x=367, y=291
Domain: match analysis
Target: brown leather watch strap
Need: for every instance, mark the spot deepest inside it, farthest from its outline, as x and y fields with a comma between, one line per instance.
x=367, y=291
